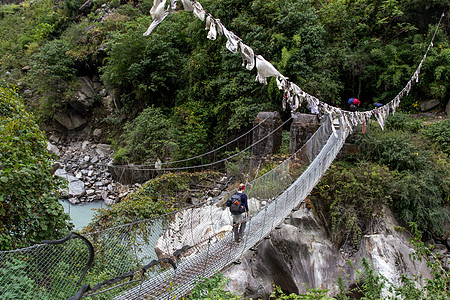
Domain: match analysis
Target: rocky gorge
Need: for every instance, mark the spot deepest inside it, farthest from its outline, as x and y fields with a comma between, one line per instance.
x=84, y=164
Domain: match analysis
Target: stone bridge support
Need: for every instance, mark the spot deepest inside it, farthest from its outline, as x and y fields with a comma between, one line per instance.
x=272, y=143
x=302, y=128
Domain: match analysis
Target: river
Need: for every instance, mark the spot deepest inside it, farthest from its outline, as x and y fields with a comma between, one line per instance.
x=82, y=213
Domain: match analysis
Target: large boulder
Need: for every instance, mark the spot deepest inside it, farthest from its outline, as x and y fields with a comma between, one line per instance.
x=84, y=99
x=427, y=105
x=75, y=187
x=69, y=120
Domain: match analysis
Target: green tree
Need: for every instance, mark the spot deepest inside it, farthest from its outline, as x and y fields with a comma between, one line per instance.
x=52, y=70
x=148, y=137
x=145, y=70
x=29, y=207
x=421, y=177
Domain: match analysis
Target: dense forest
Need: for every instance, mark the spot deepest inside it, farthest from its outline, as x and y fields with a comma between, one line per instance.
x=197, y=90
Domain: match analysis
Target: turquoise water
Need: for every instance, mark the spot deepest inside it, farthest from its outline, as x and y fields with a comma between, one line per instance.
x=82, y=213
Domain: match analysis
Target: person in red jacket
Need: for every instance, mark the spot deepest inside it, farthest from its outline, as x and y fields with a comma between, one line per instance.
x=354, y=104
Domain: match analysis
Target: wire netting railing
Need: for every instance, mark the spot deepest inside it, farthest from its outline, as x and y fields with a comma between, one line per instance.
x=164, y=257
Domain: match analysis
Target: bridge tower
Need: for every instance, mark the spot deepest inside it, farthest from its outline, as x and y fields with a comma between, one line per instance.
x=269, y=121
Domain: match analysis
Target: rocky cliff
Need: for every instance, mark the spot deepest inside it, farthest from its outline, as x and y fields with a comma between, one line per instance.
x=300, y=255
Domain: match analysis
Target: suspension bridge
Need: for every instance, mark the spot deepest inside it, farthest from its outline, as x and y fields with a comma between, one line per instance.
x=164, y=257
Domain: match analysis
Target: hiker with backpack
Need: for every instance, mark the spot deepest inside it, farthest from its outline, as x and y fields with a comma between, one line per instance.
x=354, y=104
x=239, y=211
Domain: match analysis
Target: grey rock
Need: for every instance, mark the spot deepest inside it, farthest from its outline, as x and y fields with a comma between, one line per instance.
x=440, y=249
x=447, y=108
x=427, y=105
x=75, y=186
x=446, y=263
x=84, y=100
x=90, y=192
x=96, y=134
x=300, y=254
x=84, y=145
x=70, y=121
x=53, y=149
x=302, y=128
x=73, y=200
x=94, y=160
x=54, y=139
x=103, y=149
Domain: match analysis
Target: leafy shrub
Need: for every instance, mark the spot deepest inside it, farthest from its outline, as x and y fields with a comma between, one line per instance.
x=52, y=71
x=53, y=64
x=350, y=196
x=156, y=197
x=71, y=7
x=403, y=121
x=421, y=182
x=211, y=288
x=18, y=284
x=311, y=294
x=29, y=207
x=148, y=137
x=419, y=199
x=394, y=149
x=439, y=133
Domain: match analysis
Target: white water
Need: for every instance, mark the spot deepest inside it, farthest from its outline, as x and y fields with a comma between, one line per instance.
x=82, y=213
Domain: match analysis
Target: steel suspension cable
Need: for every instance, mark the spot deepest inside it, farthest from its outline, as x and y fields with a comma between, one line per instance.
x=138, y=167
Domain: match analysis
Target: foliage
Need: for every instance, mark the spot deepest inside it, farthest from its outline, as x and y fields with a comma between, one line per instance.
x=29, y=207
x=148, y=137
x=52, y=70
x=404, y=122
x=211, y=288
x=395, y=149
x=421, y=178
x=439, y=133
x=311, y=294
x=15, y=285
x=144, y=70
x=156, y=197
x=351, y=196
x=419, y=198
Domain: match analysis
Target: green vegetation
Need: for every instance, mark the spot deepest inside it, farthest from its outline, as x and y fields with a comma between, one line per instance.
x=397, y=167
x=211, y=288
x=348, y=197
x=29, y=207
x=148, y=137
x=332, y=49
x=156, y=197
